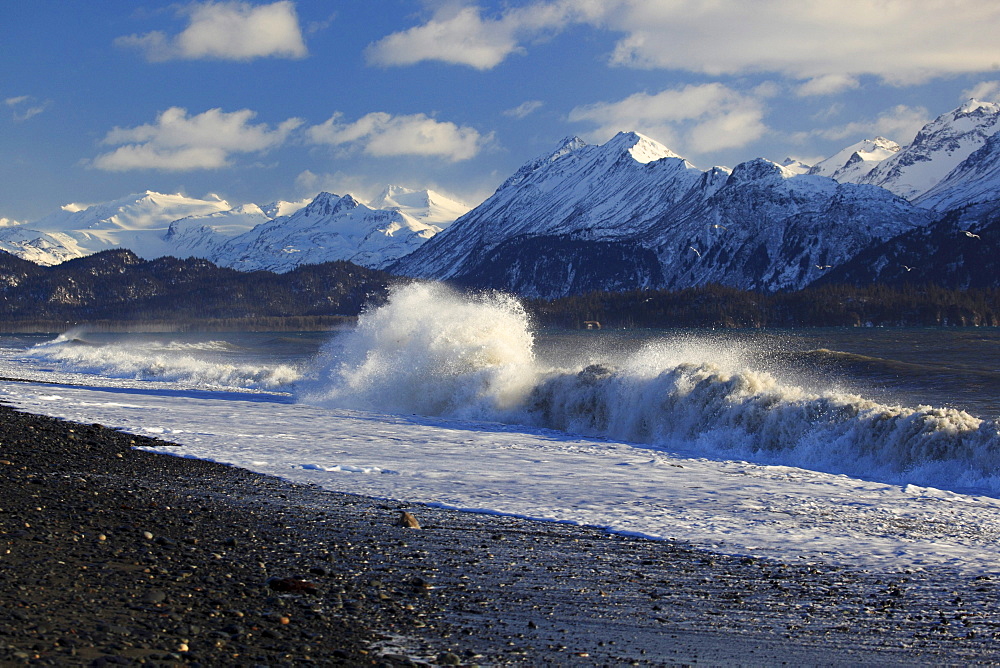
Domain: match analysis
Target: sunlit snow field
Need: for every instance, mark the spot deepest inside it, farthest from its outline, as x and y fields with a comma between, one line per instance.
x=871, y=447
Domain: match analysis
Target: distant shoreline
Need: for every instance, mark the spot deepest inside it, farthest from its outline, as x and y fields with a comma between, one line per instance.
x=321, y=323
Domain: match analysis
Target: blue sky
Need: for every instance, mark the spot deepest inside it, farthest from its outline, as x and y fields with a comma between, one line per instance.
x=259, y=101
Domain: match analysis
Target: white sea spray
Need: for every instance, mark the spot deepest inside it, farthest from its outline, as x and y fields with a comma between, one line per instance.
x=175, y=362
x=430, y=351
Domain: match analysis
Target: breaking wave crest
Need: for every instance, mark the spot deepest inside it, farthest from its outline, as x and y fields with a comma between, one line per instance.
x=432, y=352
x=169, y=362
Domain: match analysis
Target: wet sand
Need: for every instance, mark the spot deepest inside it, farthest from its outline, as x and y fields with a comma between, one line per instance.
x=111, y=555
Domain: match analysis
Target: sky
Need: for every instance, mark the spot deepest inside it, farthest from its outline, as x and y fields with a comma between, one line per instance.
x=263, y=101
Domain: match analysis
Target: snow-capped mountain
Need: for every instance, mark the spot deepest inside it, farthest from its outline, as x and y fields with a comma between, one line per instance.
x=199, y=236
x=329, y=228
x=137, y=222
x=626, y=214
x=937, y=149
x=426, y=206
x=961, y=250
x=154, y=225
x=852, y=164
x=590, y=193
x=759, y=226
x=976, y=180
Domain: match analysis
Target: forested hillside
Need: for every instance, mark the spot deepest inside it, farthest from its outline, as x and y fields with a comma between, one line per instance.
x=118, y=286
x=827, y=306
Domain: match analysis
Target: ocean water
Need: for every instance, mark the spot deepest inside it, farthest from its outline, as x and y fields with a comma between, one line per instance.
x=800, y=442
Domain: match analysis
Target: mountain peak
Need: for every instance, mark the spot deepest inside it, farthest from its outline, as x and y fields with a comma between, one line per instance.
x=327, y=204
x=851, y=164
x=759, y=169
x=566, y=146
x=642, y=148
x=938, y=148
x=972, y=105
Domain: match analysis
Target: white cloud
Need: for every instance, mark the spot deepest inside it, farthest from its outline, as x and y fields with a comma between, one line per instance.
x=986, y=91
x=827, y=84
x=524, y=109
x=178, y=142
x=463, y=36
x=383, y=135
x=900, y=41
x=25, y=107
x=901, y=124
x=227, y=31
x=696, y=119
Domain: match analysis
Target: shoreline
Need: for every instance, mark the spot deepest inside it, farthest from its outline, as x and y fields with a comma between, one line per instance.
x=110, y=554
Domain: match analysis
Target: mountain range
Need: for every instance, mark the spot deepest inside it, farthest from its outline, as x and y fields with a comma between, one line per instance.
x=277, y=236
x=627, y=214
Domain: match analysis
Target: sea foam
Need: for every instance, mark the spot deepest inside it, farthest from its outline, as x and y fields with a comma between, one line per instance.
x=175, y=362
x=431, y=351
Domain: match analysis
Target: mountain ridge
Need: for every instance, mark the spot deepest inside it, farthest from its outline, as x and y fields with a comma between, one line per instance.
x=629, y=212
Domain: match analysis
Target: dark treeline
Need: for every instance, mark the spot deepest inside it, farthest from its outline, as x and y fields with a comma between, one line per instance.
x=724, y=307
x=116, y=290
x=305, y=323
x=168, y=293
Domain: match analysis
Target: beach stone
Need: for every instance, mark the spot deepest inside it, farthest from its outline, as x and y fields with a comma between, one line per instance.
x=154, y=596
x=407, y=520
x=449, y=659
x=292, y=586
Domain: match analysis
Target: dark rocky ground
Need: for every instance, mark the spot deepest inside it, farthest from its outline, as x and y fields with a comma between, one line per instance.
x=111, y=555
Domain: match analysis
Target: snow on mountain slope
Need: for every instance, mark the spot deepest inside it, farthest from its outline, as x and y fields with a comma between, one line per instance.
x=199, y=236
x=853, y=163
x=592, y=193
x=282, y=208
x=329, y=228
x=937, y=149
x=975, y=180
x=769, y=229
x=426, y=206
x=137, y=222
x=796, y=166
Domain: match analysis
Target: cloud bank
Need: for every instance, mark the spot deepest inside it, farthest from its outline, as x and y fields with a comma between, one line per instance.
x=178, y=142
x=899, y=41
x=227, y=31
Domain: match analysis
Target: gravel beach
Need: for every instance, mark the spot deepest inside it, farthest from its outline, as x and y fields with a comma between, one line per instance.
x=111, y=555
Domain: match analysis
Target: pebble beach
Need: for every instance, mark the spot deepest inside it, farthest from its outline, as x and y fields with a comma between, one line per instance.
x=111, y=555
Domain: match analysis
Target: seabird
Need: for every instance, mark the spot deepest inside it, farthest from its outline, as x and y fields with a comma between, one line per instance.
x=718, y=226
x=695, y=250
x=971, y=234
x=907, y=268
x=823, y=266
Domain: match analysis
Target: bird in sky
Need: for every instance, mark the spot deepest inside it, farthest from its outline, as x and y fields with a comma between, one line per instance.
x=971, y=235
x=695, y=250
